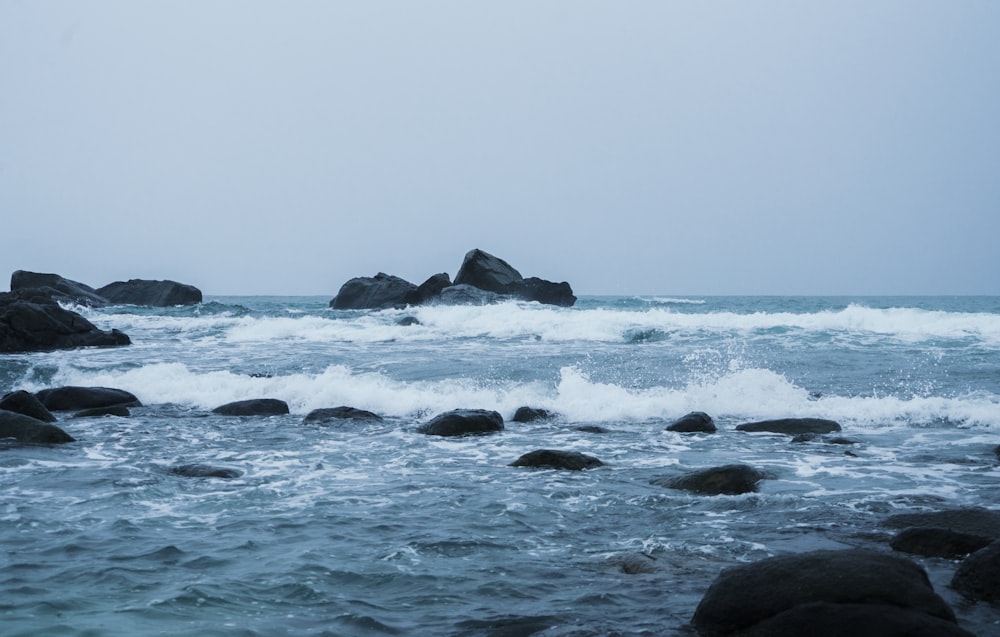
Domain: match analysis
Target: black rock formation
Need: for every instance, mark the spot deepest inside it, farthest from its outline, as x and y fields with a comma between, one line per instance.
x=57, y=288
x=374, y=293
x=72, y=398
x=28, y=404
x=732, y=479
x=27, y=429
x=153, y=293
x=31, y=321
x=531, y=414
x=694, y=422
x=328, y=414
x=463, y=422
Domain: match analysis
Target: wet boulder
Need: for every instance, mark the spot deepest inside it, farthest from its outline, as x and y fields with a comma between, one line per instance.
x=732, y=479
x=554, y=459
x=152, y=293
x=30, y=321
x=937, y=542
x=547, y=292
x=73, y=398
x=26, y=403
x=463, y=422
x=949, y=533
x=431, y=288
x=694, y=422
x=120, y=411
x=850, y=592
x=374, y=293
x=57, y=288
x=487, y=272
x=531, y=414
x=792, y=426
x=27, y=429
x=978, y=576
x=331, y=414
x=253, y=407
x=205, y=471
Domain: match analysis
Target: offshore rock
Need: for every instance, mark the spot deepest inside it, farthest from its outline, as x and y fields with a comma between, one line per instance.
x=152, y=293
x=860, y=592
x=204, y=471
x=487, y=272
x=792, y=426
x=72, y=398
x=30, y=321
x=26, y=403
x=463, y=422
x=531, y=414
x=694, y=422
x=547, y=292
x=978, y=576
x=732, y=479
x=57, y=288
x=253, y=407
x=326, y=415
x=553, y=459
x=27, y=429
x=374, y=293
x=430, y=289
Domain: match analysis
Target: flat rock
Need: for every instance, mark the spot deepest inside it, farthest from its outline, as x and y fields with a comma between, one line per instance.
x=73, y=398
x=978, y=576
x=463, y=422
x=328, y=414
x=27, y=429
x=253, y=407
x=26, y=403
x=792, y=426
x=732, y=479
x=694, y=422
x=204, y=471
x=554, y=459
x=152, y=293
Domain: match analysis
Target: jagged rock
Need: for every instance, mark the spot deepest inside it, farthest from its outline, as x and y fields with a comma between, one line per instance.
x=204, y=471
x=374, y=293
x=26, y=403
x=487, y=272
x=71, y=398
x=253, y=407
x=548, y=292
x=978, y=576
x=27, y=429
x=860, y=592
x=730, y=479
x=114, y=410
x=554, y=459
x=153, y=293
x=463, y=422
x=792, y=426
x=431, y=288
x=30, y=321
x=57, y=288
x=531, y=414
x=694, y=422
x=325, y=415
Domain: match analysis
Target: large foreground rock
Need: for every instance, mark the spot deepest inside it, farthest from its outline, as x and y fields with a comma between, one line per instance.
x=852, y=592
x=731, y=479
x=253, y=407
x=73, y=398
x=57, y=288
x=30, y=321
x=978, y=576
x=463, y=422
x=792, y=426
x=27, y=429
x=153, y=293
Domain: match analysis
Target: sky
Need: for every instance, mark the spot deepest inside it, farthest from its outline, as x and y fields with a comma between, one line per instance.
x=638, y=147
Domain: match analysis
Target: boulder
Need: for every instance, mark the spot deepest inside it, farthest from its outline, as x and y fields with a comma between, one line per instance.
x=978, y=576
x=431, y=288
x=97, y=412
x=553, y=459
x=57, y=288
x=326, y=415
x=153, y=293
x=936, y=542
x=746, y=599
x=792, y=426
x=204, y=471
x=253, y=407
x=694, y=422
x=72, y=398
x=26, y=403
x=826, y=619
x=981, y=522
x=487, y=272
x=463, y=422
x=374, y=293
x=531, y=414
x=30, y=321
x=732, y=479
x=27, y=429
x=547, y=292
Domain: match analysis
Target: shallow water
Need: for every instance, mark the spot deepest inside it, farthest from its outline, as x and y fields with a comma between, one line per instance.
x=366, y=529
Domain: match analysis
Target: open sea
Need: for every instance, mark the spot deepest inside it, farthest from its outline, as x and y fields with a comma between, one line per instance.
x=375, y=529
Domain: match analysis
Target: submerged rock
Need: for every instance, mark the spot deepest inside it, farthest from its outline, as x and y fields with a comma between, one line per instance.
x=851, y=592
x=732, y=479
x=26, y=403
x=978, y=576
x=374, y=293
x=466, y=295
x=72, y=398
x=30, y=321
x=792, y=426
x=554, y=459
x=27, y=429
x=253, y=407
x=593, y=429
x=328, y=414
x=694, y=422
x=463, y=422
x=531, y=414
x=152, y=293
x=204, y=471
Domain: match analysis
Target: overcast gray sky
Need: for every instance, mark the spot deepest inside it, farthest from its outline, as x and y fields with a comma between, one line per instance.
x=848, y=147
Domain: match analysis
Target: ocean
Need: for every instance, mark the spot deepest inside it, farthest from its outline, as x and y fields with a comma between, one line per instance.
x=363, y=528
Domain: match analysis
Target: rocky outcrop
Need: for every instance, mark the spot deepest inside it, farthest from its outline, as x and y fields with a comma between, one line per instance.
x=792, y=426
x=253, y=407
x=26, y=403
x=466, y=295
x=694, y=422
x=56, y=288
x=555, y=459
x=732, y=479
x=332, y=414
x=204, y=471
x=431, y=288
x=978, y=576
x=852, y=592
x=374, y=293
x=152, y=293
x=72, y=398
x=30, y=321
x=27, y=429
x=463, y=422
x=487, y=272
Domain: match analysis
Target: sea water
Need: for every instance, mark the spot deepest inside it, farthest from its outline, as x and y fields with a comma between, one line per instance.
x=361, y=528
